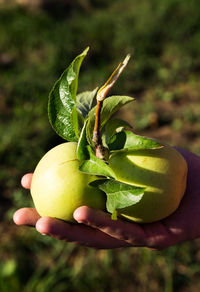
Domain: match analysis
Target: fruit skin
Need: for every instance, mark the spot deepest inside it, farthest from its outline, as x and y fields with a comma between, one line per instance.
x=162, y=171
x=58, y=187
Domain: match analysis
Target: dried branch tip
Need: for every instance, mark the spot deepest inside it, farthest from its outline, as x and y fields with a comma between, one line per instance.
x=103, y=91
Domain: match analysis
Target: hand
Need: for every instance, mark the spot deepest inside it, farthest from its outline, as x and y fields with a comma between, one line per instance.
x=96, y=228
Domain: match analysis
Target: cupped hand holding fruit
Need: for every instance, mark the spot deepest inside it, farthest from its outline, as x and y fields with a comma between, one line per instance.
x=142, y=179
x=98, y=230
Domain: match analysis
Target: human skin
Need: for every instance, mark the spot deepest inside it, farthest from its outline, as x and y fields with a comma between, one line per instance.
x=96, y=229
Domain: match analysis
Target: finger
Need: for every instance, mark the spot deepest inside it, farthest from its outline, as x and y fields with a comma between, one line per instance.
x=152, y=235
x=77, y=233
x=132, y=233
x=26, y=180
x=26, y=216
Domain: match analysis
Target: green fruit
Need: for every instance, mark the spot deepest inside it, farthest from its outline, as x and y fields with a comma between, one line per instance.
x=58, y=187
x=162, y=171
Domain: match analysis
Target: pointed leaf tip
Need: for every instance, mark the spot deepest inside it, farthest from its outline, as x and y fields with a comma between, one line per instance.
x=85, y=51
x=128, y=141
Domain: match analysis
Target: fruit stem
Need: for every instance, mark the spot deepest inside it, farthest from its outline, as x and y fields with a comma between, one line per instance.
x=101, y=96
x=114, y=215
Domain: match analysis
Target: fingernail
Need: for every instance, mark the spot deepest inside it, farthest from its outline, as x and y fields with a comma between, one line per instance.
x=76, y=216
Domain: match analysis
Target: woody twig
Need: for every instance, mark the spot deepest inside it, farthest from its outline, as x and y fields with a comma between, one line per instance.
x=101, y=96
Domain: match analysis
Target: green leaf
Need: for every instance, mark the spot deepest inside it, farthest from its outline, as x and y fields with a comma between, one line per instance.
x=110, y=106
x=127, y=141
x=62, y=110
x=82, y=151
x=85, y=101
x=95, y=165
x=112, y=127
x=119, y=195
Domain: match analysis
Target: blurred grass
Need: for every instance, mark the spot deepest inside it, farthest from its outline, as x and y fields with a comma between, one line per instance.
x=163, y=76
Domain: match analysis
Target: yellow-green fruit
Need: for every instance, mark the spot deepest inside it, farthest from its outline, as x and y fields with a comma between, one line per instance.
x=162, y=171
x=58, y=187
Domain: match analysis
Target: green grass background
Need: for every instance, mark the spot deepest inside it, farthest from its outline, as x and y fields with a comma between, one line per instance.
x=36, y=44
